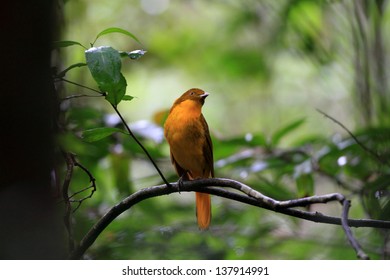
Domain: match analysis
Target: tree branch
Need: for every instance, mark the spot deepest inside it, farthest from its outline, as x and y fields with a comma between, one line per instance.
x=344, y=221
x=251, y=197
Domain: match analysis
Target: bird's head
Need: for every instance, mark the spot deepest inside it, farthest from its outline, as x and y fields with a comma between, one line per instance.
x=194, y=94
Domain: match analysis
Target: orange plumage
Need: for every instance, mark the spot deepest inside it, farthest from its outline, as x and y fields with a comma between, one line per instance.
x=188, y=136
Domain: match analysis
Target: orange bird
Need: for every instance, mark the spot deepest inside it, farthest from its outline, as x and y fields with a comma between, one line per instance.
x=188, y=136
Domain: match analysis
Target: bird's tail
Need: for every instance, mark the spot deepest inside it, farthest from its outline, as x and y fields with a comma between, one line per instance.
x=203, y=210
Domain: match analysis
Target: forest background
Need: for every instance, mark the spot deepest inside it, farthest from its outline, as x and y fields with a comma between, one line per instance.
x=268, y=66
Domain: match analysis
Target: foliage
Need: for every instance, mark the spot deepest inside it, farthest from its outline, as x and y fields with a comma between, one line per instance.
x=289, y=161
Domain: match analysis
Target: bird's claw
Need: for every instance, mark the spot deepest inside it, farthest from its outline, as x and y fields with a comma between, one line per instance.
x=180, y=183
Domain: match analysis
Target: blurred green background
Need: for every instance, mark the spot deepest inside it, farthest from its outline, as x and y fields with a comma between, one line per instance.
x=268, y=65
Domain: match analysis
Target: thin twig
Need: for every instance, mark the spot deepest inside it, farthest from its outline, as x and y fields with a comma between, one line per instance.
x=140, y=144
x=204, y=185
x=369, y=151
x=79, y=96
x=92, y=180
x=78, y=192
x=80, y=85
x=81, y=200
x=68, y=199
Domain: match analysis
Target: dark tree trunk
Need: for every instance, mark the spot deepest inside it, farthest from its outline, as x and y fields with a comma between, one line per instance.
x=30, y=226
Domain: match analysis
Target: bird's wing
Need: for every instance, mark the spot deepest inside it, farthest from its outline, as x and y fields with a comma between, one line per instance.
x=208, y=147
x=179, y=170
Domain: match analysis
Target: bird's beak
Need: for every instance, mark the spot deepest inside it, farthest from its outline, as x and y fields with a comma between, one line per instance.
x=204, y=95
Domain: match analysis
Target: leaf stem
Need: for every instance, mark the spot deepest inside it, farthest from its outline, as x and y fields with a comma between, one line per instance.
x=77, y=84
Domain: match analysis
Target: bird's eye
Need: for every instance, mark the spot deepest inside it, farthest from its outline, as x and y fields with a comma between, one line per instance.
x=192, y=93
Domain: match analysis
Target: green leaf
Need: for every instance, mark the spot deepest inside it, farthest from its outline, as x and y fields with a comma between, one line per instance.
x=127, y=98
x=255, y=140
x=304, y=178
x=376, y=197
x=105, y=65
x=278, y=135
x=116, y=30
x=305, y=185
x=64, y=44
x=133, y=54
x=96, y=134
x=121, y=172
x=273, y=188
x=117, y=92
x=307, y=17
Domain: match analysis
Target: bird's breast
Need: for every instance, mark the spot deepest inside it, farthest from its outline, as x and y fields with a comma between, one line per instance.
x=186, y=137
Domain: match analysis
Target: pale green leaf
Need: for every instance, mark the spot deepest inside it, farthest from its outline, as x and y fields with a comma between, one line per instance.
x=96, y=134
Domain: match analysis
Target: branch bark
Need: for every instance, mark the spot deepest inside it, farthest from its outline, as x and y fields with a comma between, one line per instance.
x=250, y=196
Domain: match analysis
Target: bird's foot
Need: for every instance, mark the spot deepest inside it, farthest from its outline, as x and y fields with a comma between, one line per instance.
x=180, y=182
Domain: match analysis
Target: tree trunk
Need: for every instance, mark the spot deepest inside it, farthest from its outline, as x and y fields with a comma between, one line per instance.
x=30, y=225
